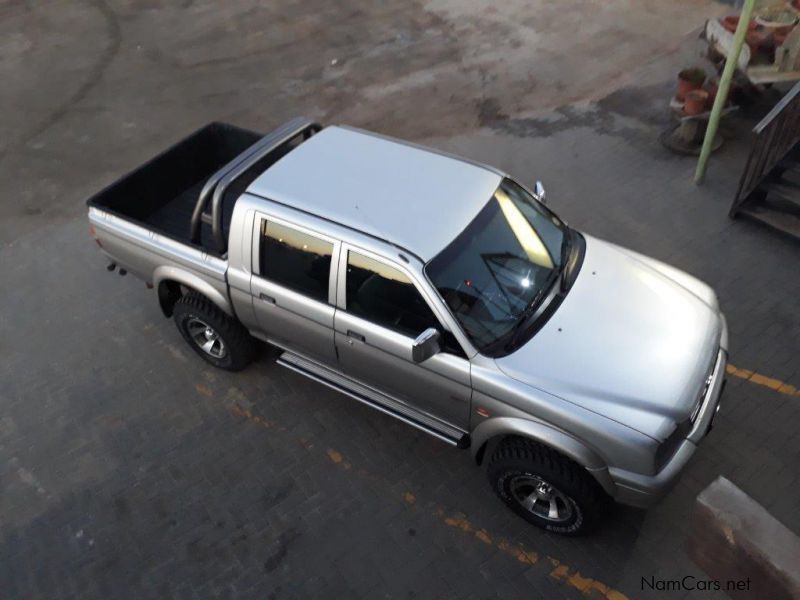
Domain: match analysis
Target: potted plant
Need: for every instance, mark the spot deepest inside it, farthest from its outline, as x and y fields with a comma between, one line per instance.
x=779, y=37
x=732, y=21
x=695, y=102
x=688, y=80
x=776, y=18
x=755, y=39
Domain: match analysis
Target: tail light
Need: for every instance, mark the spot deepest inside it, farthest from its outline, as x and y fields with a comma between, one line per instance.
x=93, y=233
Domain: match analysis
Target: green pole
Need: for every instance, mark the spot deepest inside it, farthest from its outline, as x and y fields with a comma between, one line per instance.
x=724, y=87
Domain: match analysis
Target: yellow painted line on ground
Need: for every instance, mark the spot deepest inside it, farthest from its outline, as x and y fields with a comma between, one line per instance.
x=560, y=571
x=757, y=378
x=460, y=521
x=336, y=458
x=204, y=390
x=584, y=584
x=266, y=423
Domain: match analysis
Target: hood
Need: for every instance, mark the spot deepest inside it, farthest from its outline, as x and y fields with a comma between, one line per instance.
x=633, y=340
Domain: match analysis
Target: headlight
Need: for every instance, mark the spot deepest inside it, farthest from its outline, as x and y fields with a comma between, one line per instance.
x=670, y=446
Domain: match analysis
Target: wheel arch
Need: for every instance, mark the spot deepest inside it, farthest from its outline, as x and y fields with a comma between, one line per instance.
x=168, y=280
x=492, y=431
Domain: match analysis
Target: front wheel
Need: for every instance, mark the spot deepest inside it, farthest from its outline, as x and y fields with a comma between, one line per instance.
x=216, y=337
x=545, y=487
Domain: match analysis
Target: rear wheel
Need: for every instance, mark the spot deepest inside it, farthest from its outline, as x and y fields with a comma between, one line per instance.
x=216, y=337
x=545, y=487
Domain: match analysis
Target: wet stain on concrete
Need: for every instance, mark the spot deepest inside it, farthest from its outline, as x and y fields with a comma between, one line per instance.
x=635, y=104
x=563, y=119
x=200, y=550
x=121, y=509
x=646, y=104
x=276, y=558
x=274, y=495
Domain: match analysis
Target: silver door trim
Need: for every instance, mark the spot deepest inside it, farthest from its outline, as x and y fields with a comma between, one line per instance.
x=381, y=402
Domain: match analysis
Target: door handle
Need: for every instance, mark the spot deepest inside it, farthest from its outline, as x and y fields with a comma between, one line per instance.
x=267, y=298
x=356, y=335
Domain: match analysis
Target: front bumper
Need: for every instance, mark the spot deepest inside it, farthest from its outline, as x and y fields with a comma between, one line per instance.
x=645, y=490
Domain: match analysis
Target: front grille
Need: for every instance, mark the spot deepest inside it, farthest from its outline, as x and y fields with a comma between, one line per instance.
x=701, y=397
x=668, y=448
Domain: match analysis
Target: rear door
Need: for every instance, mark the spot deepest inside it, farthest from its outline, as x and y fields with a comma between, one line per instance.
x=294, y=287
x=380, y=313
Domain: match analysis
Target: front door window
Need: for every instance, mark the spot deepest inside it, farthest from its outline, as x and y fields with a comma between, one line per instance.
x=386, y=296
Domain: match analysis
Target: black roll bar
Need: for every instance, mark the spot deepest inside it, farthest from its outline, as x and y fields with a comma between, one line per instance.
x=214, y=189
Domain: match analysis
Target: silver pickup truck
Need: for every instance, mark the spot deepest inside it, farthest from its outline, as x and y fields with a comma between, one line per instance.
x=435, y=290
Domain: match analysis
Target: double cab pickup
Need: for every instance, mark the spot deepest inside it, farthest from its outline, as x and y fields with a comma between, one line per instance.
x=438, y=291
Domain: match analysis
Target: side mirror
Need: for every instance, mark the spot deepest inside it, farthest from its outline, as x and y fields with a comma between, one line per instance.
x=426, y=345
x=538, y=191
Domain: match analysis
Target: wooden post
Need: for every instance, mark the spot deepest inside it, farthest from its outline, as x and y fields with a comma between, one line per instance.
x=731, y=62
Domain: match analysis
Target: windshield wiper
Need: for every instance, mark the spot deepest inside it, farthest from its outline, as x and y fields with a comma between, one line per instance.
x=566, y=252
x=561, y=276
x=530, y=309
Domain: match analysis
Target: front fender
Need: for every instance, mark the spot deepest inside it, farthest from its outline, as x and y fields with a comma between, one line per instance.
x=191, y=280
x=549, y=436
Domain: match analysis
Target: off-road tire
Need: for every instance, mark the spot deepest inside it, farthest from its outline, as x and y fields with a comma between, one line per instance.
x=239, y=345
x=516, y=458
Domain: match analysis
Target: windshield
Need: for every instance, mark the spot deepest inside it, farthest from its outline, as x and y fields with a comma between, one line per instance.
x=496, y=272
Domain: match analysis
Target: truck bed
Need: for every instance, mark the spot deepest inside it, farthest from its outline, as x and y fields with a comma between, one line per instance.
x=163, y=193
x=174, y=217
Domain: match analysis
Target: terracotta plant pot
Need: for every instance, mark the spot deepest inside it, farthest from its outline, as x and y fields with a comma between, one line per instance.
x=755, y=39
x=688, y=80
x=732, y=21
x=695, y=102
x=778, y=37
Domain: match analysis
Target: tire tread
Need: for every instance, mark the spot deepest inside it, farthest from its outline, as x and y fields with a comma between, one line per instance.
x=526, y=451
x=237, y=338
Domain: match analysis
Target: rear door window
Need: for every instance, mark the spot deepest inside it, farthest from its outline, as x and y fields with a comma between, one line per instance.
x=296, y=260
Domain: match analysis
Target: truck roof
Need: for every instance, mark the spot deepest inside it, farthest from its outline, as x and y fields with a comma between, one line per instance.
x=416, y=198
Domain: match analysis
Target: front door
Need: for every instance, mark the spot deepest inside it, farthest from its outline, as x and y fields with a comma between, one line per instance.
x=376, y=323
x=293, y=287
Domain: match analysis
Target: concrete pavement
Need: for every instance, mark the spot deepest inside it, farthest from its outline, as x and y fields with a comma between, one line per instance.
x=131, y=469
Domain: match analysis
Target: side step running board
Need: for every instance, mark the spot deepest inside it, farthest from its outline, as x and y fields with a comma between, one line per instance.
x=378, y=401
